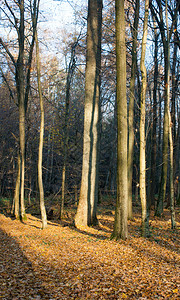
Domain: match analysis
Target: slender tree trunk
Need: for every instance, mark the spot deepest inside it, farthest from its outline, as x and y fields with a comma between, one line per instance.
x=40, y=180
x=142, y=181
x=159, y=157
x=162, y=188
x=52, y=157
x=178, y=160
x=47, y=161
x=131, y=109
x=63, y=189
x=173, y=223
x=120, y=224
x=20, y=92
x=165, y=41
x=151, y=196
x=17, y=188
x=174, y=90
x=22, y=154
x=173, y=101
x=86, y=212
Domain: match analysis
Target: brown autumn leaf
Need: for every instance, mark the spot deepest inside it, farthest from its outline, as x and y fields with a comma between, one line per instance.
x=62, y=262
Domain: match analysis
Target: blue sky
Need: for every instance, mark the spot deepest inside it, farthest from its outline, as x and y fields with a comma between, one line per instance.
x=57, y=19
x=59, y=13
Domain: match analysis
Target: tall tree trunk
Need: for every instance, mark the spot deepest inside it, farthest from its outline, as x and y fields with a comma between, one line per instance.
x=20, y=92
x=173, y=223
x=86, y=212
x=120, y=224
x=159, y=157
x=173, y=101
x=40, y=180
x=178, y=160
x=131, y=109
x=165, y=40
x=174, y=89
x=162, y=187
x=142, y=180
x=151, y=196
x=22, y=88
x=172, y=206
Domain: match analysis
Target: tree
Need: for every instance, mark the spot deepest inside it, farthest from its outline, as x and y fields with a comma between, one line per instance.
x=173, y=223
x=15, y=13
x=131, y=109
x=152, y=184
x=86, y=212
x=40, y=181
x=166, y=34
x=120, y=224
x=142, y=179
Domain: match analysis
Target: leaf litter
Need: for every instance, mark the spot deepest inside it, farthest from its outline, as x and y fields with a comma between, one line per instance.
x=62, y=262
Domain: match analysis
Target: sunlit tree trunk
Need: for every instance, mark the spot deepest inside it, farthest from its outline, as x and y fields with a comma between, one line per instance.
x=131, y=109
x=142, y=180
x=21, y=95
x=174, y=99
x=16, y=193
x=120, y=224
x=173, y=223
x=40, y=180
x=86, y=212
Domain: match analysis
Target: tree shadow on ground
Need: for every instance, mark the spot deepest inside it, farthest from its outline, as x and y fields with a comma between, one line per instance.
x=17, y=277
x=70, y=224
x=73, y=273
x=106, y=219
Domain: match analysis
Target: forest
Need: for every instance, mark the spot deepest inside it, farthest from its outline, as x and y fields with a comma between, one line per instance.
x=90, y=150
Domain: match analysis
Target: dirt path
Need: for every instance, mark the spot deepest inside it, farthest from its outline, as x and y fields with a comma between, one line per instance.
x=65, y=263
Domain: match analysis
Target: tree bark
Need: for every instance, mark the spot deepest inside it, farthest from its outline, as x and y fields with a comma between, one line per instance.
x=86, y=212
x=151, y=196
x=20, y=92
x=40, y=180
x=173, y=222
x=120, y=224
x=16, y=193
x=165, y=41
x=178, y=160
x=142, y=180
x=131, y=110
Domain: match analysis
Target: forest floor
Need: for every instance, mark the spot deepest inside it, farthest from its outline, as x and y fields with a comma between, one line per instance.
x=62, y=262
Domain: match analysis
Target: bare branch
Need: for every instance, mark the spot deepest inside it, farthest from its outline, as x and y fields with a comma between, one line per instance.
x=12, y=13
x=7, y=51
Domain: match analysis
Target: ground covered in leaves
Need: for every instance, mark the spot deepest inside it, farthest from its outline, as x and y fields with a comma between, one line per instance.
x=62, y=262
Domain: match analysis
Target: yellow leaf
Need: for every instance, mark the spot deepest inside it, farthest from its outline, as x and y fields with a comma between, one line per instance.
x=124, y=296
